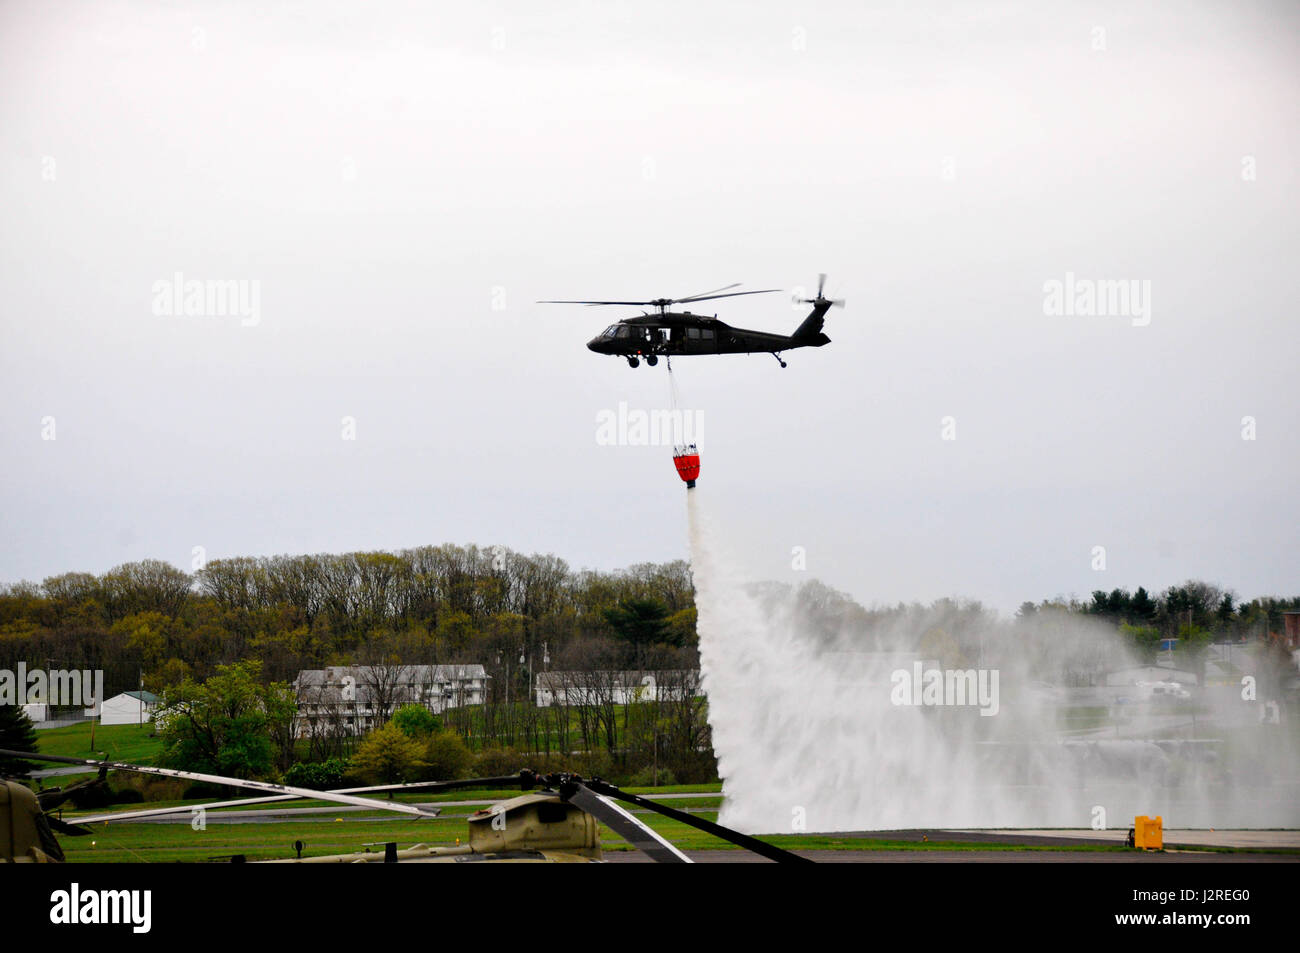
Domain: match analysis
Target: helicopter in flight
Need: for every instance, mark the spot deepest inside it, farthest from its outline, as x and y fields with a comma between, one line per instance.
x=673, y=333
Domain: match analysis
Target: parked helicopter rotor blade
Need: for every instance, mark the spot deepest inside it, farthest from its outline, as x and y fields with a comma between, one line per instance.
x=622, y=822
x=525, y=779
x=267, y=786
x=188, y=808
x=762, y=848
x=51, y=798
x=63, y=827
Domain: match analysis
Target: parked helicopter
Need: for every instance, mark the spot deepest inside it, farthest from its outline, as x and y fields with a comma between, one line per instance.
x=555, y=821
x=672, y=333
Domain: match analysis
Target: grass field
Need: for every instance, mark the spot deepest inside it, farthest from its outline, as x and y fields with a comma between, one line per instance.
x=169, y=843
x=331, y=833
x=132, y=743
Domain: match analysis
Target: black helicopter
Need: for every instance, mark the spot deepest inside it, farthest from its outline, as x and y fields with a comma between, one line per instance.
x=672, y=333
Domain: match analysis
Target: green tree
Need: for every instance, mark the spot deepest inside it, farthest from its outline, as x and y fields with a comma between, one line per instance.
x=447, y=756
x=388, y=756
x=226, y=724
x=16, y=734
x=1146, y=641
x=1192, y=649
x=148, y=634
x=639, y=622
x=320, y=775
x=681, y=630
x=455, y=630
x=280, y=706
x=1143, y=608
x=416, y=721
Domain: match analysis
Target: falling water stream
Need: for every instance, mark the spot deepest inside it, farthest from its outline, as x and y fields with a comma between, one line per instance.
x=815, y=740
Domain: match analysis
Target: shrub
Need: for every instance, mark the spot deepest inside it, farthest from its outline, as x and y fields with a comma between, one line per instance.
x=416, y=721
x=448, y=757
x=388, y=756
x=318, y=775
x=492, y=762
x=93, y=797
x=647, y=777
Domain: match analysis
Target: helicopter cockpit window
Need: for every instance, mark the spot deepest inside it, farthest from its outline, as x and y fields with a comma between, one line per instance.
x=610, y=331
x=623, y=331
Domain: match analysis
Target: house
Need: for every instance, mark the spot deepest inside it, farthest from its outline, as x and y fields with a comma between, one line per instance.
x=1148, y=674
x=353, y=699
x=36, y=711
x=128, y=708
x=613, y=687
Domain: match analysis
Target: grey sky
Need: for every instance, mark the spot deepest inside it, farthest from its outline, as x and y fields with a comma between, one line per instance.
x=392, y=174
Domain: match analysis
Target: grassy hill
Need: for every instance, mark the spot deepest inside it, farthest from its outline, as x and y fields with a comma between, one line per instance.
x=133, y=743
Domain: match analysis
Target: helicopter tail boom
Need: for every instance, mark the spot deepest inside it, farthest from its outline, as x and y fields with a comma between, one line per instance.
x=809, y=334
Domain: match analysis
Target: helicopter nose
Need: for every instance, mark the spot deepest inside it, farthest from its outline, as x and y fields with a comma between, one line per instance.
x=592, y=345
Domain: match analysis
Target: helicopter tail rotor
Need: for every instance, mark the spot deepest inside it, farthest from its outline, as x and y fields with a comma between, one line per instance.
x=820, y=299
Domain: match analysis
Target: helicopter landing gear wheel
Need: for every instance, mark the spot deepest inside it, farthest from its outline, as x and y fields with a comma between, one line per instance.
x=652, y=359
x=633, y=362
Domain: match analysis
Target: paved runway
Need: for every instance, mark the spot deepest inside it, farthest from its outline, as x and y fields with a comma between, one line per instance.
x=970, y=857
x=1190, y=838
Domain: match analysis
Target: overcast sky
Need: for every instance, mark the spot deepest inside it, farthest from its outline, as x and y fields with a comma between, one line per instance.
x=399, y=183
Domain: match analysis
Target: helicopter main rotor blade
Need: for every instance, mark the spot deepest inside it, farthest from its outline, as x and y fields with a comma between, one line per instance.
x=623, y=823
x=368, y=803
x=628, y=303
x=186, y=808
x=762, y=848
x=734, y=294
x=701, y=294
x=664, y=302
x=525, y=782
x=63, y=827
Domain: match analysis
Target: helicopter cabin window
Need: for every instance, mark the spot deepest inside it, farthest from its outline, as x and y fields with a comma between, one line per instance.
x=693, y=333
x=708, y=334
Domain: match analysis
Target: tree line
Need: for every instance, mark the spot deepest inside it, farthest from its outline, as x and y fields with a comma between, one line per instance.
x=428, y=605
x=248, y=625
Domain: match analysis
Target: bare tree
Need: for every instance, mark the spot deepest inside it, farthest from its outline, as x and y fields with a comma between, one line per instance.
x=385, y=678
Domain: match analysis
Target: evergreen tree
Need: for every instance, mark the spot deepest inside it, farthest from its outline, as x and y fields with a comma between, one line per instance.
x=1142, y=607
x=17, y=734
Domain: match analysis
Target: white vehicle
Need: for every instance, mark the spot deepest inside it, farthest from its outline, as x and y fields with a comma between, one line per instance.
x=1167, y=689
